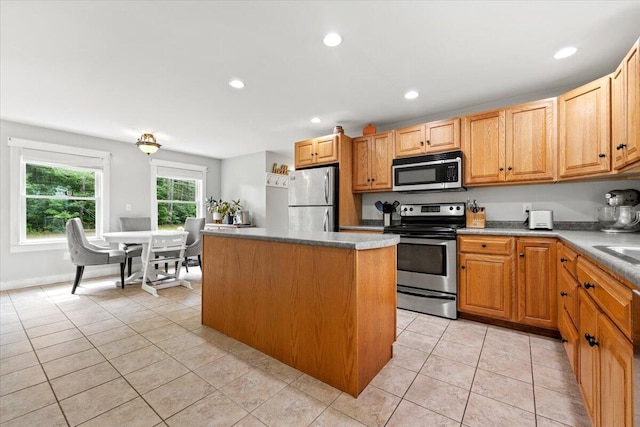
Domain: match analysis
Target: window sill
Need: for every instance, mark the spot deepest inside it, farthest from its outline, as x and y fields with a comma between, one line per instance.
x=47, y=246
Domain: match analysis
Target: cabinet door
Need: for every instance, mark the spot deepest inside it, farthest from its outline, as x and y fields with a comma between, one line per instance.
x=381, y=148
x=485, y=285
x=625, y=100
x=618, y=116
x=443, y=135
x=326, y=149
x=588, y=355
x=537, y=303
x=584, y=137
x=483, y=144
x=361, y=164
x=305, y=153
x=530, y=142
x=409, y=141
x=616, y=376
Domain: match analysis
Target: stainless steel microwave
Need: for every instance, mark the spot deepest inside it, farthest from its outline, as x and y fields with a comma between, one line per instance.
x=441, y=171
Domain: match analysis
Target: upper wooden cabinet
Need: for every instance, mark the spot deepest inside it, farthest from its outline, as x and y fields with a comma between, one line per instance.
x=584, y=144
x=625, y=110
x=517, y=144
x=433, y=137
x=317, y=151
x=372, y=157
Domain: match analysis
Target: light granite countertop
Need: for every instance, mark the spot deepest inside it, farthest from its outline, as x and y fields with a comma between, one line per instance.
x=338, y=240
x=585, y=242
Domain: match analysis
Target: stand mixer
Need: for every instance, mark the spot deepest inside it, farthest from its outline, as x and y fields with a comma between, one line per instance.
x=619, y=217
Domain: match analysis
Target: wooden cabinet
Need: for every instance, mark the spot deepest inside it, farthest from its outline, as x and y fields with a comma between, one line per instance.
x=605, y=350
x=491, y=286
x=625, y=110
x=584, y=132
x=568, y=303
x=537, y=302
x=433, y=137
x=317, y=151
x=485, y=276
x=512, y=145
x=372, y=157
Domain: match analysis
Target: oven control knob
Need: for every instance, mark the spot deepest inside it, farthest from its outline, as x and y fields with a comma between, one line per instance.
x=404, y=209
x=450, y=208
x=411, y=209
x=457, y=208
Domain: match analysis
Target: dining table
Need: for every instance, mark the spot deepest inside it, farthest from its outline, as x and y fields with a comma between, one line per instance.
x=155, y=279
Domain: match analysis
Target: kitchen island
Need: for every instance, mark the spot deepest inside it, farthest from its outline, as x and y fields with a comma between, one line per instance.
x=323, y=303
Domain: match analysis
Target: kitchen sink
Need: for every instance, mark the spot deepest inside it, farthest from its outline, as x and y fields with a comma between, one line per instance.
x=629, y=254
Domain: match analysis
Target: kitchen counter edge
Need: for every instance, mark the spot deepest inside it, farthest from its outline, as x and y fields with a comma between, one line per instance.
x=331, y=239
x=581, y=240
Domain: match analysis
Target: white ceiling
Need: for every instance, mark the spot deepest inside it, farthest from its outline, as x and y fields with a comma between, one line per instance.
x=118, y=69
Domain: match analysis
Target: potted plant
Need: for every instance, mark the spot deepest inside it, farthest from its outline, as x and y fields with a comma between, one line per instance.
x=218, y=208
x=234, y=208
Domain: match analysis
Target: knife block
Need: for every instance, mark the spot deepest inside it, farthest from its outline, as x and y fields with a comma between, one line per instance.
x=476, y=219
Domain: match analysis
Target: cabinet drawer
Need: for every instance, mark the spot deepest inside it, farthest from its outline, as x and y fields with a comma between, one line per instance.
x=611, y=296
x=568, y=293
x=570, y=338
x=486, y=244
x=569, y=260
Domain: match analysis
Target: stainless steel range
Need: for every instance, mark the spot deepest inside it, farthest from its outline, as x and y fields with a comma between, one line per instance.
x=427, y=257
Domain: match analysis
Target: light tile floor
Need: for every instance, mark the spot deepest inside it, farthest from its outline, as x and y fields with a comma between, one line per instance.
x=107, y=356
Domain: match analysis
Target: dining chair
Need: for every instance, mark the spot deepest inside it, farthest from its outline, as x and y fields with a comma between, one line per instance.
x=83, y=253
x=194, y=240
x=133, y=250
x=166, y=247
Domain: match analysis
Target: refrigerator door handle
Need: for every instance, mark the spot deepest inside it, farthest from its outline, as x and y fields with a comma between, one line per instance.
x=326, y=187
x=325, y=221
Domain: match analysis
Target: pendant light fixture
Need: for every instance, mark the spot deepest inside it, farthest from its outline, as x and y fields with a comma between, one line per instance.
x=147, y=143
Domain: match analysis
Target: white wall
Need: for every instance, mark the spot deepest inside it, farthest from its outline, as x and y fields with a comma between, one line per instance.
x=243, y=177
x=569, y=201
x=130, y=172
x=277, y=197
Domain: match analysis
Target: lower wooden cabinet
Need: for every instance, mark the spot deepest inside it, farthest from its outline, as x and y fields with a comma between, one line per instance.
x=605, y=363
x=490, y=285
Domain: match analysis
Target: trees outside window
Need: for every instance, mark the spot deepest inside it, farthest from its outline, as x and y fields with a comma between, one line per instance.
x=54, y=195
x=176, y=200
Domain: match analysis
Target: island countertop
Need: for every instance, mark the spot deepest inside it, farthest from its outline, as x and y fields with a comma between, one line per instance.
x=337, y=240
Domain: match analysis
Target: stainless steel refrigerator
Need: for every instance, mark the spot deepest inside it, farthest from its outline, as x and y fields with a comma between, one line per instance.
x=313, y=199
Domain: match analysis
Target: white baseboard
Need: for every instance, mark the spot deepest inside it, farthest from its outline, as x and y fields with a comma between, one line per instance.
x=89, y=273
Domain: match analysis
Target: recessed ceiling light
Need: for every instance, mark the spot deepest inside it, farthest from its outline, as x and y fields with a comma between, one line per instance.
x=316, y=120
x=412, y=94
x=565, y=52
x=332, y=39
x=238, y=84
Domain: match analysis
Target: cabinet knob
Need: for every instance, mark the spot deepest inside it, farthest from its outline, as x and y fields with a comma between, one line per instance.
x=563, y=260
x=368, y=180
x=501, y=169
x=421, y=142
x=484, y=245
x=620, y=146
x=601, y=155
x=588, y=285
x=373, y=179
x=462, y=267
x=563, y=294
x=316, y=154
x=428, y=142
x=521, y=254
x=509, y=168
x=591, y=340
x=563, y=340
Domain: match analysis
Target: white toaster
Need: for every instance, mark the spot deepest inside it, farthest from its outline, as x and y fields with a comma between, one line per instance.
x=541, y=220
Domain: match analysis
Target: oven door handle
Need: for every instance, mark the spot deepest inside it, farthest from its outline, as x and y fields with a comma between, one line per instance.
x=426, y=240
x=443, y=297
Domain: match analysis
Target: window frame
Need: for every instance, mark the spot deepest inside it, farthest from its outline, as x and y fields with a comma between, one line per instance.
x=18, y=196
x=191, y=169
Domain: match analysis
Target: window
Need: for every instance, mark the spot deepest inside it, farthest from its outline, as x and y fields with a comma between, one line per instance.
x=51, y=184
x=179, y=193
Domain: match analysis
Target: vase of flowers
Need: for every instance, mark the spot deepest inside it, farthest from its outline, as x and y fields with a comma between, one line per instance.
x=217, y=208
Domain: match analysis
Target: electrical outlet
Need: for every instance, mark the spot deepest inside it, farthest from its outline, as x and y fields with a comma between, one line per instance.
x=127, y=207
x=526, y=207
